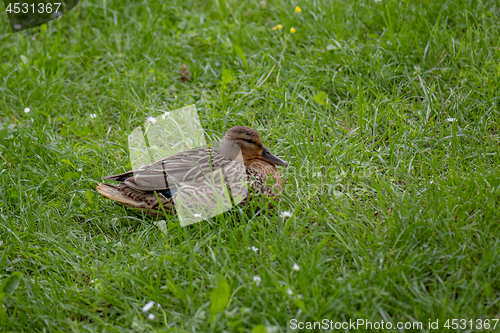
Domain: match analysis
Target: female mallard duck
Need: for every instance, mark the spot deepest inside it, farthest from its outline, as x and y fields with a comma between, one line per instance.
x=201, y=177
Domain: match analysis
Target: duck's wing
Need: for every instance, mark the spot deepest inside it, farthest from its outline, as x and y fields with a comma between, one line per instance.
x=192, y=167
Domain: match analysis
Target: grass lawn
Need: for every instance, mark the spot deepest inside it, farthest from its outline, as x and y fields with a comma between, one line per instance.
x=387, y=112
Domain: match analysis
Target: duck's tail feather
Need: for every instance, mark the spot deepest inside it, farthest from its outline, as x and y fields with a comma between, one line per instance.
x=113, y=192
x=136, y=200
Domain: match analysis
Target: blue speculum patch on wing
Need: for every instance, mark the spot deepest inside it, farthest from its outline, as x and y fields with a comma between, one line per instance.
x=169, y=155
x=26, y=14
x=167, y=193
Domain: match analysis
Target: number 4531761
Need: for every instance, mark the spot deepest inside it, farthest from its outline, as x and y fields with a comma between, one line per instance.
x=40, y=8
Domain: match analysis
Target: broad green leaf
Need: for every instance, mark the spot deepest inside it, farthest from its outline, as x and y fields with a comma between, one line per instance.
x=219, y=296
x=56, y=204
x=162, y=225
x=259, y=329
x=71, y=175
x=68, y=162
x=227, y=76
x=90, y=197
x=321, y=98
x=240, y=54
x=4, y=132
x=10, y=284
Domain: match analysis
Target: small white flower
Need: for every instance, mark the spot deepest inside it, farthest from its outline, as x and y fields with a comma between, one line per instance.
x=92, y=281
x=92, y=115
x=257, y=279
x=198, y=216
x=27, y=110
x=378, y=0
x=151, y=316
x=286, y=214
x=299, y=296
x=451, y=120
x=295, y=267
x=158, y=305
x=151, y=120
x=254, y=249
x=289, y=292
x=149, y=305
x=165, y=115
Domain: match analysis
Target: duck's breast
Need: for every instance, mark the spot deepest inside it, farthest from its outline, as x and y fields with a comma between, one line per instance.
x=267, y=175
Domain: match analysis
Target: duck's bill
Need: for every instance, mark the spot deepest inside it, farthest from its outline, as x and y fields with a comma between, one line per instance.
x=269, y=157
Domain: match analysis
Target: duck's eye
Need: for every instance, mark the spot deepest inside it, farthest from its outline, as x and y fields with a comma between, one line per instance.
x=249, y=141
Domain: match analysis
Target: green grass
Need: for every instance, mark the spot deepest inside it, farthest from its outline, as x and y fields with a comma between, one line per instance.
x=395, y=209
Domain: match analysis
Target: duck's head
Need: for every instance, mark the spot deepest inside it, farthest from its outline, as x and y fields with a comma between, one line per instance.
x=244, y=144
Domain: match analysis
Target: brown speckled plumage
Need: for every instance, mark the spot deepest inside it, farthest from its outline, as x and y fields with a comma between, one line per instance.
x=186, y=173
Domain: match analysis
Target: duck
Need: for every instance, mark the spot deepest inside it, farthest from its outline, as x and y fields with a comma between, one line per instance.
x=197, y=180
